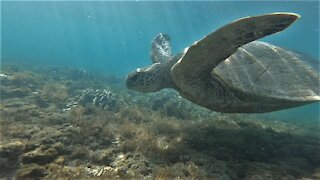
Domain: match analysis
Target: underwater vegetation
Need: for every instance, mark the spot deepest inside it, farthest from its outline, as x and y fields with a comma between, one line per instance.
x=74, y=125
x=55, y=92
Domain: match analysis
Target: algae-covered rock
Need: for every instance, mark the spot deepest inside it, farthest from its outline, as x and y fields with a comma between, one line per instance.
x=31, y=171
x=55, y=93
x=66, y=73
x=42, y=102
x=10, y=155
x=60, y=160
x=40, y=156
x=103, y=156
x=4, y=79
x=20, y=92
x=79, y=153
x=113, y=133
x=11, y=149
x=181, y=171
x=316, y=174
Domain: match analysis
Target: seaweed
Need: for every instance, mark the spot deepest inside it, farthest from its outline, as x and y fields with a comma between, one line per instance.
x=55, y=92
x=132, y=114
x=179, y=170
x=159, y=136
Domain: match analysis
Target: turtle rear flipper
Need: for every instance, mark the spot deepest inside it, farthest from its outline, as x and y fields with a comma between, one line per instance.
x=201, y=57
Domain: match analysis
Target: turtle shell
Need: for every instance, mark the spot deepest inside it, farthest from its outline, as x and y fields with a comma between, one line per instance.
x=259, y=69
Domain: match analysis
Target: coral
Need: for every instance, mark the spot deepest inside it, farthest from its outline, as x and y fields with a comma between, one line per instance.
x=104, y=99
x=171, y=104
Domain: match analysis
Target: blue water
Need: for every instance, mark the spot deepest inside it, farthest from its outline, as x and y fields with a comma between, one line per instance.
x=114, y=37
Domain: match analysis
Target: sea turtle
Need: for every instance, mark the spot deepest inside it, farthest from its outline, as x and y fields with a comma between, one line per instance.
x=228, y=71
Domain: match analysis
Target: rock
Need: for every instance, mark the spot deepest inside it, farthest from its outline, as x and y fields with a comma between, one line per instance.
x=59, y=147
x=60, y=160
x=12, y=149
x=42, y=102
x=96, y=130
x=103, y=156
x=14, y=93
x=144, y=170
x=67, y=73
x=316, y=174
x=79, y=153
x=40, y=156
x=10, y=156
x=4, y=76
x=93, y=145
x=97, y=171
x=31, y=171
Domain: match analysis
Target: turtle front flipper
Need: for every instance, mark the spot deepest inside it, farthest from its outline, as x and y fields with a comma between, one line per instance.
x=201, y=57
x=161, y=48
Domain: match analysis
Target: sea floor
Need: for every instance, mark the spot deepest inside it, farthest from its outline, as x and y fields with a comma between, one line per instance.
x=66, y=123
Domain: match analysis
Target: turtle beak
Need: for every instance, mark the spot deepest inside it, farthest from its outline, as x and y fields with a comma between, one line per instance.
x=131, y=80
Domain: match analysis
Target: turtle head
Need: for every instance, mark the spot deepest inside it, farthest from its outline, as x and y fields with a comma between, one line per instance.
x=158, y=75
x=149, y=79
